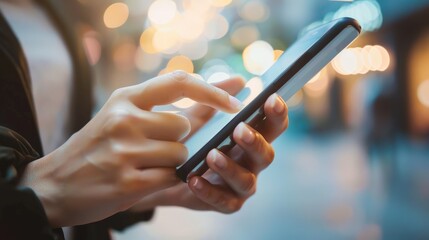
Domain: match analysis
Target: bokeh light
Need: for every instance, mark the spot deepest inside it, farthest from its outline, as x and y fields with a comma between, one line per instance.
x=254, y=10
x=295, y=100
x=184, y=27
x=190, y=27
x=423, y=93
x=196, y=6
x=218, y=77
x=358, y=60
x=147, y=62
x=92, y=47
x=165, y=41
x=374, y=59
x=220, y=3
x=385, y=58
x=256, y=86
x=196, y=49
x=258, y=57
x=315, y=78
x=180, y=63
x=318, y=85
x=123, y=55
x=367, y=12
x=214, y=69
x=222, y=38
x=277, y=54
x=116, y=15
x=146, y=40
x=244, y=35
x=217, y=27
x=162, y=11
x=346, y=62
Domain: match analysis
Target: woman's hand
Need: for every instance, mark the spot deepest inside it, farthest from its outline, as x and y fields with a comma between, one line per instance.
x=231, y=179
x=124, y=153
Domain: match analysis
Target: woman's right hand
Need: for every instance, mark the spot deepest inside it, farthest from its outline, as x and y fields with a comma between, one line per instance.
x=123, y=154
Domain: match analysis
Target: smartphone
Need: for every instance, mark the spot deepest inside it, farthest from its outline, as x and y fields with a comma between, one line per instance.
x=295, y=67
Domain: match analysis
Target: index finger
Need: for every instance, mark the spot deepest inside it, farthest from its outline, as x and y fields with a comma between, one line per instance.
x=232, y=86
x=173, y=86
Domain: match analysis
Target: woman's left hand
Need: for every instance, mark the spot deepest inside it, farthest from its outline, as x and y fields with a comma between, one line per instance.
x=232, y=176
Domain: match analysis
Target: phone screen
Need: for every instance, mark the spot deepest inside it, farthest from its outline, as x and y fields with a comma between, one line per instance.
x=298, y=64
x=252, y=89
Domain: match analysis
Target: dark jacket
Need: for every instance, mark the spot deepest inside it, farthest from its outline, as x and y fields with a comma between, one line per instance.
x=21, y=213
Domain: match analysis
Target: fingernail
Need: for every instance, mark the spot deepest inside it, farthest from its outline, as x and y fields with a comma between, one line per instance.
x=198, y=185
x=246, y=134
x=218, y=160
x=278, y=106
x=235, y=103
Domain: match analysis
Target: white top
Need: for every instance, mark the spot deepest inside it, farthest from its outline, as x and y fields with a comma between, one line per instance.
x=50, y=67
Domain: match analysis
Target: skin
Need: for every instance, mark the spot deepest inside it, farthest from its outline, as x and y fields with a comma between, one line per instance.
x=119, y=160
x=232, y=177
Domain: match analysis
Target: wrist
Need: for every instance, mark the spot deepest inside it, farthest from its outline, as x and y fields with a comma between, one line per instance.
x=36, y=178
x=143, y=205
x=158, y=199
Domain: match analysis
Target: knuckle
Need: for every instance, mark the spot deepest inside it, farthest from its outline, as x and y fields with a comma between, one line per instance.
x=119, y=120
x=223, y=95
x=249, y=186
x=113, y=165
x=286, y=107
x=219, y=201
x=182, y=124
x=169, y=177
x=120, y=93
x=233, y=206
x=231, y=172
x=264, y=150
x=116, y=118
x=285, y=124
x=181, y=153
x=184, y=152
x=270, y=154
x=260, y=144
x=130, y=183
x=119, y=151
x=207, y=194
x=180, y=76
x=181, y=80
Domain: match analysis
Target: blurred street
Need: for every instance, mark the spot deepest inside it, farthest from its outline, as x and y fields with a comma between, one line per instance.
x=354, y=163
x=319, y=187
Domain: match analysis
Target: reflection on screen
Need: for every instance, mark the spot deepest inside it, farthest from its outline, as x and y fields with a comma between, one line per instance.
x=253, y=88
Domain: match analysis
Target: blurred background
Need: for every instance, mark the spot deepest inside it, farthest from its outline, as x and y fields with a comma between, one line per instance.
x=354, y=163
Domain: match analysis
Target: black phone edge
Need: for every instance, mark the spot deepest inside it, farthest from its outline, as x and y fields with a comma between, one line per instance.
x=184, y=170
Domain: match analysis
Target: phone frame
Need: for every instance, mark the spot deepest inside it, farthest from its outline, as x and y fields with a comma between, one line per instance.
x=253, y=113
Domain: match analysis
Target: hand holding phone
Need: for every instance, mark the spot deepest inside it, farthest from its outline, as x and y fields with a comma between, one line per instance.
x=299, y=63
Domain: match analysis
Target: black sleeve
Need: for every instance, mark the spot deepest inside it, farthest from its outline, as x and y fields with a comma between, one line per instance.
x=122, y=220
x=100, y=230
x=21, y=214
